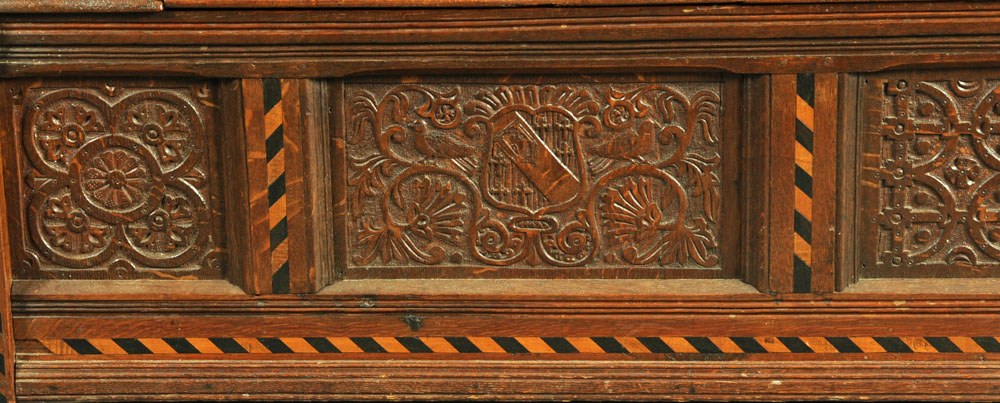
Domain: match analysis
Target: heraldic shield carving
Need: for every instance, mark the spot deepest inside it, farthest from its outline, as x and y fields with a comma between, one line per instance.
x=568, y=175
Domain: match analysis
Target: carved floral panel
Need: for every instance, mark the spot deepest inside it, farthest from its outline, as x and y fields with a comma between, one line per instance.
x=534, y=176
x=118, y=182
x=930, y=189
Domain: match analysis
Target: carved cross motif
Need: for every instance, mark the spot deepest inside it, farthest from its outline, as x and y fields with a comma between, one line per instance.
x=931, y=167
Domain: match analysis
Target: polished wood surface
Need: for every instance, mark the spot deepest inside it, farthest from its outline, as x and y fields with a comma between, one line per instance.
x=453, y=3
x=121, y=178
x=926, y=151
x=572, y=175
x=7, y=356
x=76, y=6
x=534, y=200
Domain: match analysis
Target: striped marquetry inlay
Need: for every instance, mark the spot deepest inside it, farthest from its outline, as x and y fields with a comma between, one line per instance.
x=273, y=114
x=805, y=101
x=276, y=201
x=522, y=345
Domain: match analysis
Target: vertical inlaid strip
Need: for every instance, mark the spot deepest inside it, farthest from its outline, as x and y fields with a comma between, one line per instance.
x=803, y=191
x=278, y=171
x=274, y=119
x=805, y=101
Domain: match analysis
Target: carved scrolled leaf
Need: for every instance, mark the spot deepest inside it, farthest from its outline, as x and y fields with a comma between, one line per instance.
x=116, y=182
x=582, y=175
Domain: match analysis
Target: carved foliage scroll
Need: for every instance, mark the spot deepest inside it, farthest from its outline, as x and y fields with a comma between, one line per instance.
x=930, y=192
x=534, y=176
x=118, y=182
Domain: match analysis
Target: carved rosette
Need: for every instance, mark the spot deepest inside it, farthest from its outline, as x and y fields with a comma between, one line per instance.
x=931, y=157
x=581, y=175
x=117, y=181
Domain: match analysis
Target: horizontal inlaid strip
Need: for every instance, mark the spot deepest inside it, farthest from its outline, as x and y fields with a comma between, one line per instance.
x=521, y=345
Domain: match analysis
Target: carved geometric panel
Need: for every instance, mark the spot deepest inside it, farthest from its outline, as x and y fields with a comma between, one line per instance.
x=118, y=181
x=534, y=177
x=930, y=189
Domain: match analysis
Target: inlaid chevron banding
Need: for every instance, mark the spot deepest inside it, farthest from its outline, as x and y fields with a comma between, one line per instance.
x=805, y=85
x=522, y=345
x=276, y=200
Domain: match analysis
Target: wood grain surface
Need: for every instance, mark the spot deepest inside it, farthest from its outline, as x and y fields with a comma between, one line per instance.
x=758, y=39
x=77, y=6
x=454, y=3
x=7, y=357
x=475, y=200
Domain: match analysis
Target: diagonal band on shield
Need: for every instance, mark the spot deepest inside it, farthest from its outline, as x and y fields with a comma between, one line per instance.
x=519, y=141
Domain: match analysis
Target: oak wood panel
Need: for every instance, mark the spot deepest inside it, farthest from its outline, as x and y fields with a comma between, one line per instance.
x=338, y=168
x=257, y=184
x=847, y=129
x=289, y=181
x=115, y=179
x=7, y=357
x=562, y=324
x=756, y=121
x=824, y=207
x=509, y=296
x=928, y=174
x=782, y=162
x=236, y=192
x=782, y=39
x=453, y=3
x=78, y=6
x=788, y=380
x=301, y=276
x=579, y=177
x=320, y=137
x=745, y=39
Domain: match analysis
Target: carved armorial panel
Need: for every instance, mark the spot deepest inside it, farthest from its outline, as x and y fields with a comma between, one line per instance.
x=930, y=190
x=617, y=179
x=118, y=181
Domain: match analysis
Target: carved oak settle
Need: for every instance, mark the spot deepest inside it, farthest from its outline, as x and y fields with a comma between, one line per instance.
x=479, y=199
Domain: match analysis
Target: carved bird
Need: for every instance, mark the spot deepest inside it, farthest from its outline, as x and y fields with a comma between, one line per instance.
x=435, y=144
x=628, y=145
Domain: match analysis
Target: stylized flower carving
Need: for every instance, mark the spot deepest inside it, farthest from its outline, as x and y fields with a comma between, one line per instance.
x=160, y=125
x=166, y=228
x=633, y=219
x=441, y=108
x=116, y=179
x=631, y=213
x=963, y=172
x=619, y=115
x=436, y=212
x=71, y=229
x=67, y=125
x=434, y=215
x=445, y=113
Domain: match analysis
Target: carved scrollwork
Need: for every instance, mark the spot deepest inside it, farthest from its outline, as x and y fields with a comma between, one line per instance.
x=118, y=182
x=534, y=175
